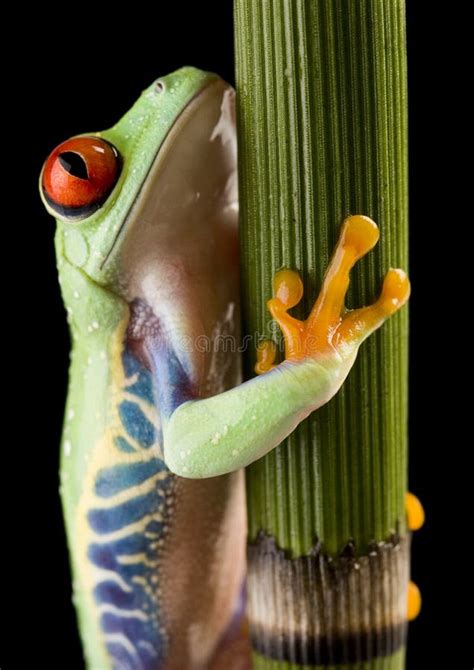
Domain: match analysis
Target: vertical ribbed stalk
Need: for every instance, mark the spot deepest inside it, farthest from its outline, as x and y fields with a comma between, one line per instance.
x=322, y=113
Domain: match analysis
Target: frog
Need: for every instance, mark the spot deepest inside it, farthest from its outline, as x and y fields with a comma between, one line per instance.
x=158, y=424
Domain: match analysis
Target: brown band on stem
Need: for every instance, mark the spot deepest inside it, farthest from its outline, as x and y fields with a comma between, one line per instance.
x=320, y=610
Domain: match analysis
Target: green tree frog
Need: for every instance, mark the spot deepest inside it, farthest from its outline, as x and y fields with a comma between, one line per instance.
x=158, y=426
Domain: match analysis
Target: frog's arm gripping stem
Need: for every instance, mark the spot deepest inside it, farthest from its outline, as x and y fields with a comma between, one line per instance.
x=212, y=436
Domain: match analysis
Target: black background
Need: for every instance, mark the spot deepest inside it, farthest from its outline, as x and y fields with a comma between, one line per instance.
x=75, y=71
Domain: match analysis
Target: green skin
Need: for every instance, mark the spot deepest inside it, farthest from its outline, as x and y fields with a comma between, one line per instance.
x=225, y=426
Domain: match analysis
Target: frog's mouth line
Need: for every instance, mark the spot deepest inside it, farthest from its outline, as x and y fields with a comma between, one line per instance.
x=214, y=87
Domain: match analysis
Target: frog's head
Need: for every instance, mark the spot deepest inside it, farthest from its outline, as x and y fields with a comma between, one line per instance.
x=93, y=184
x=147, y=211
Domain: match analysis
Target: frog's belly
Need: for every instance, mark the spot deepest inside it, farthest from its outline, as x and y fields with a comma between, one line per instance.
x=203, y=567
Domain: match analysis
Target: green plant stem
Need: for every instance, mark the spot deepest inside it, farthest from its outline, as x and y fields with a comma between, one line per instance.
x=322, y=123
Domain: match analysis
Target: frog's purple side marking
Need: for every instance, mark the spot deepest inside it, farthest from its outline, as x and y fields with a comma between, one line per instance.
x=128, y=596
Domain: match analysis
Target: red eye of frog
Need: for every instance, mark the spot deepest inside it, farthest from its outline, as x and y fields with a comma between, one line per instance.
x=79, y=175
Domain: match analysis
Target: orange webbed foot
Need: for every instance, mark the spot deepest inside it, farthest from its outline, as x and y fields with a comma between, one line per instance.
x=330, y=326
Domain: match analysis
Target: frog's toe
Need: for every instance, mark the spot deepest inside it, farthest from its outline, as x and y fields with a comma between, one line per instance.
x=413, y=601
x=358, y=324
x=287, y=287
x=266, y=354
x=414, y=512
x=359, y=235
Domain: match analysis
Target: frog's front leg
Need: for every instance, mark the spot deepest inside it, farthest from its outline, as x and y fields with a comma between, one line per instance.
x=215, y=435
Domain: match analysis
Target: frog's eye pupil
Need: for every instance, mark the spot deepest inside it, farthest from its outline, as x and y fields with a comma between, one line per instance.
x=74, y=164
x=79, y=176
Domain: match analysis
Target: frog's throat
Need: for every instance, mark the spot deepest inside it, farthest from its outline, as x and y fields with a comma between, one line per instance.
x=181, y=173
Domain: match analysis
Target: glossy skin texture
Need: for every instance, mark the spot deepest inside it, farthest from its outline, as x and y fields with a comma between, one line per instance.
x=149, y=277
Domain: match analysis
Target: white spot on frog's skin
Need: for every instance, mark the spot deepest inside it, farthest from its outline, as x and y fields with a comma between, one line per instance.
x=216, y=438
x=76, y=295
x=67, y=446
x=102, y=355
x=254, y=417
x=70, y=414
x=225, y=430
x=235, y=452
x=95, y=325
x=89, y=360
